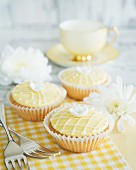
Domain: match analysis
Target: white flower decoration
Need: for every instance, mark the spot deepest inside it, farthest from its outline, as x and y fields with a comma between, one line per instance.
x=84, y=69
x=18, y=65
x=37, y=86
x=78, y=110
x=117, y=100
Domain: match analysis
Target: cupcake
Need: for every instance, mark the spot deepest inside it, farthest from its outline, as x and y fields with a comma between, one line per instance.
x=77, y=127
x=80, y=81
x=33, y=100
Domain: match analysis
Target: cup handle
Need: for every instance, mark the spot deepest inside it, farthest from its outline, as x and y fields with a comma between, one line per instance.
x=115, y=30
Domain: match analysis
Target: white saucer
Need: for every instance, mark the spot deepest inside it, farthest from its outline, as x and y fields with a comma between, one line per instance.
x=59, y=55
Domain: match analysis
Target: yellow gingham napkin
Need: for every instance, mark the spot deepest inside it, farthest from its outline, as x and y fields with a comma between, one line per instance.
x=106, y=157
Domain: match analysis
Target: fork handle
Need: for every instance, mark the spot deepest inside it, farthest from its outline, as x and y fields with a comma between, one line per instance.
x=3, y=121
x=11, y=130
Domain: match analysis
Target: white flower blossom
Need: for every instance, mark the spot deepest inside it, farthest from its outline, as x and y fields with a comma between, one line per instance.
x=18, y=65
x=117, y=100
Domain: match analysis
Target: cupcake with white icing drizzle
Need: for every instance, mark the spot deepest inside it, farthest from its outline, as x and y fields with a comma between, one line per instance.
x=33, y=100
x=80, y=81
x=78, y=127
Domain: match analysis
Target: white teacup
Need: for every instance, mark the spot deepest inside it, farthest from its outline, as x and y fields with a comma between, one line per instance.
x=85, y=37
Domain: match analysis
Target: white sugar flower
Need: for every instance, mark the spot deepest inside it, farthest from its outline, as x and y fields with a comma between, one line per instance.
x=78, y=110
x=83, y=69
x=18, y=65
x=37, y=86
x=117, y=100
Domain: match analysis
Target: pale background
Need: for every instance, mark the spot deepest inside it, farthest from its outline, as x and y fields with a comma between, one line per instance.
x=25, y=21
x=35, y=23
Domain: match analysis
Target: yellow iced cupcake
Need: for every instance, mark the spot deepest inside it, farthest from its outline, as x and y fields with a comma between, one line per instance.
x=34, y=100
x=77, y=127
x=80, y=81
x=66, y=122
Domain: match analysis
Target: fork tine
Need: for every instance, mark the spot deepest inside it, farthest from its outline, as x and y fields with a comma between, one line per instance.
x=13, y=164
x=35, y=152
x=27, y=145
x=19, y=163
x=27, y=166
x=37, y=156
x=7, y=165
x=42, y=154
x=26, y=163
x=45, y=153
x=13, y=152
x=43, y=149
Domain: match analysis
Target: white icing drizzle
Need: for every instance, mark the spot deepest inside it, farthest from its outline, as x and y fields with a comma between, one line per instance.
x=89, y=122
x=38, y=98
x=100, y=122
x=68, y=76
x=63, y=110
x=92, y=76
x=73, y=131
x=65, y=125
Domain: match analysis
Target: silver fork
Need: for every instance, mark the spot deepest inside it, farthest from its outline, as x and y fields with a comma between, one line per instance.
x=13, y=153
x=33, y=149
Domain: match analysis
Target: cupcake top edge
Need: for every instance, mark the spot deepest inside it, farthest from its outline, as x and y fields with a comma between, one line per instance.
x=37, y=94
x=79, y=119
x=84, y=76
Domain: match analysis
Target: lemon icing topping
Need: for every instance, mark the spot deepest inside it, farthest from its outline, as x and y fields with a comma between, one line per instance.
x=91, y=123
x=84, y=76
x=32, y=94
